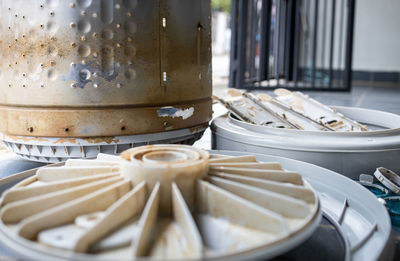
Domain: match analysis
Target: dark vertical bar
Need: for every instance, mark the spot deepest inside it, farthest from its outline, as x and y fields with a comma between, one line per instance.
x=282, y=37
x=253, y=32
x=306, y=29
x=234, y=43
x=342, y=32
x=288, y=40
x=277, y=40
x=349, y=44
x=314, y=53
x=324, y=35
x=242, y=33
x=332, y=42
x=272, y=40
x=239, y=11
x=265, y=40
x=296, y=52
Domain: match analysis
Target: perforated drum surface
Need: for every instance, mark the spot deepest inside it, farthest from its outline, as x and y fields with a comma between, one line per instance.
x=89, y=68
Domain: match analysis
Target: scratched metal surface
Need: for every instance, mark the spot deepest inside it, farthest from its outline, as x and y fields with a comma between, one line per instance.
x=85, y=68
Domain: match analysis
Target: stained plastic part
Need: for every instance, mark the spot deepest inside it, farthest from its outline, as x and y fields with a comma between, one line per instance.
x=164, y=202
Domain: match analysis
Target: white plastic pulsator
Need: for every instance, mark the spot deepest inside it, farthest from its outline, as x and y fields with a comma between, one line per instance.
x=166, y=164
x=165, y=202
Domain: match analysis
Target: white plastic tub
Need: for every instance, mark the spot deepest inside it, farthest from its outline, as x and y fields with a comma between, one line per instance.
x=349, y=153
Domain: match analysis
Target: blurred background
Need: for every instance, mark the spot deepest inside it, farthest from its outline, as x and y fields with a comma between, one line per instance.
x=323, y=46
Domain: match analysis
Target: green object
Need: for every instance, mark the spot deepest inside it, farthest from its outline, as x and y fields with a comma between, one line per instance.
x=221, y=5
x=393, y=206
x=378, y=190
x=392, y=201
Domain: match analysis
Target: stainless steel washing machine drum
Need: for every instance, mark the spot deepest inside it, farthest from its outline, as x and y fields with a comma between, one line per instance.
x=103, y=68
x=350, y=153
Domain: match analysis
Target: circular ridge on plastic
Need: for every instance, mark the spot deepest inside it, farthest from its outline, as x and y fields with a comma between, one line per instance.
x=388, y=178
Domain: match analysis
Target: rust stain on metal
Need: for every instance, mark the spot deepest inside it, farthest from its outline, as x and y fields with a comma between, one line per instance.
x=121, y=71
x=107, y=140
x=61, y=141
x=94, y=122
x=197, y=128
x=30, y=46
x=18, y=138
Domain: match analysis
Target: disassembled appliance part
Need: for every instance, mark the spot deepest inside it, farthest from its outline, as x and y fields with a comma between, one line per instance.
x=311, y=109
x=55, y=150
x=230, y=199
x=376, y=188
x=290, y=110
x=388, y=178
x=387, y=189
x=92, y=76
x=165, y=202
x=348, y=153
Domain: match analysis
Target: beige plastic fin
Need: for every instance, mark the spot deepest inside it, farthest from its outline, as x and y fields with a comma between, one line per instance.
x=249, y=165
x=169, y=242
x=88, y=163
x=316, y=113
x=63, y=237
x=167, y=164
x=16, y=211
x=147, y=221
x=185, y=220
x=48, y=174
x=283, y=205
x=20, y=193
x=120, y=212
x=218, y=156
x=221, y=203
x=287, y=189
x=282, y=92
x=249, y=158
x=107, y=157
x=234, y=92
x=264, y=97
x=297, y=105
x=276, y=175
x=66, y=213
x=25, y=182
